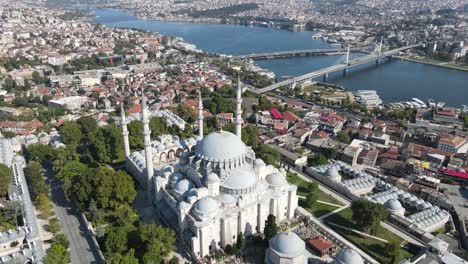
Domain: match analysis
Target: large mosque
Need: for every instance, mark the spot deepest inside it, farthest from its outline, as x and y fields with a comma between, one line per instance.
x=209, y=188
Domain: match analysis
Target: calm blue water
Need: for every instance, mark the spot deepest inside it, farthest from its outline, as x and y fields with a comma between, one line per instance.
x=394, y=80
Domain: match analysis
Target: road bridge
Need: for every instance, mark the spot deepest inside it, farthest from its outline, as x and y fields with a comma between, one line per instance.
x=339, y=67
x=292, y=53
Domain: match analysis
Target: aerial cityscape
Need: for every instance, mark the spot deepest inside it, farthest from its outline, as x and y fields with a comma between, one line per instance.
x=253, y=131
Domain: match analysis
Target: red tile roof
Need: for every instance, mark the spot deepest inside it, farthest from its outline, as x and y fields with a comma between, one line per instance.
x=320, y=243
x=456, y=174
x=290, y=116
x=276, y=114
x=135, y=109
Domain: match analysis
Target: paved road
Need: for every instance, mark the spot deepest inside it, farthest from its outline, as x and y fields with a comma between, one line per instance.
x=81, y=249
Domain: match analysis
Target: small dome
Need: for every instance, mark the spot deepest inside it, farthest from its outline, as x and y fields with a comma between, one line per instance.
x=228, y=199
x=182, y=186
x=212, y=178
x=221, y=146
x=259, y=163
x=276, y=180
x=288, y=244
x=348, y=256
x=206, y=206
x=332, y=173
x=393, y=204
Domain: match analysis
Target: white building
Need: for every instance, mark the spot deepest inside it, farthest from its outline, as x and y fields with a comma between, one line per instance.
x=71, y=102
x=211, y=191
x=286, y=248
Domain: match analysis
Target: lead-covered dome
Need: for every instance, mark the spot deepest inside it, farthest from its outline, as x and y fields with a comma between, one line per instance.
x=206, y=206
x=221, y=146
x=333, y=173
x=276, y=180
x=287, y=245
x=239, y=181
x=348, y=256
x=392, y=204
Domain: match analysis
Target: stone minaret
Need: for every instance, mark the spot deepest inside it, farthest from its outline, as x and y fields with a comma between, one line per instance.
x=238, y=120
x=200, y=115
x=147, y=143
x=124, y=130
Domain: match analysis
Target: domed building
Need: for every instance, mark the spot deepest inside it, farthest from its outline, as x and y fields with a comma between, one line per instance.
x=348, y=256
x=333, y=174
x=394, y=206
x=286, y=248
x=211, y=188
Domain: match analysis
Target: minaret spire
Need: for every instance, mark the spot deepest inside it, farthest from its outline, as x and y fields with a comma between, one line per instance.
x=147, y=144
x=238, y=120
x=200, y=115
x=123, y=123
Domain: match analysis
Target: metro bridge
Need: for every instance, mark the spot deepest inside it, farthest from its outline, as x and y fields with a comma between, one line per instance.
x=339, y=67
x=292, y=53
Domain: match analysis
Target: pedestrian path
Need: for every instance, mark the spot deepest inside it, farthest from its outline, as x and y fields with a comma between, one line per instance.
x=332, y=204
x=358, y=232
x=333, y=212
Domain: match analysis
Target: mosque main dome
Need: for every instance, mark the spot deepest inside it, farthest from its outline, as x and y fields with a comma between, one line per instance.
x=221, y=146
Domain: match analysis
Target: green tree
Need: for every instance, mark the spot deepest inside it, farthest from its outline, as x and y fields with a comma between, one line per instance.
x=71, y=132
x=174, y=260
x=135, y=134
x=158, y=127
x=312, y=194
x=240, y=243
x=159, y=241
x=71, y=175
x=37, y=78
x=11, y=211
x=5, y=179
x=367, y=215
x=62, y=240
x=392, y=250
x=318, y=160
x=268, y=154
x=87, y=125
x=43, y=204
x=128, y=258
x=40, y=153
x=35, y=180
x=9, y=134
x=116, y=241
x=57, y=254
x=270, y=229
x=330, y=153
x=152, y=254
x=343, y=137
x=54, y=226
x=113, y=188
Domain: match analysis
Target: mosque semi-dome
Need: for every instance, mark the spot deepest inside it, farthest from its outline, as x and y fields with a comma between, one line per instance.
x=221, y=146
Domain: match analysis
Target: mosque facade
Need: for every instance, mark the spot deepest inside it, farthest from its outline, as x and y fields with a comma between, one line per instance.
x=211, y=188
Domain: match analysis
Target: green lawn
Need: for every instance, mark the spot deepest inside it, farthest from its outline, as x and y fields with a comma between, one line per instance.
x=318, y=209
x=302, y=189
x=371, y=246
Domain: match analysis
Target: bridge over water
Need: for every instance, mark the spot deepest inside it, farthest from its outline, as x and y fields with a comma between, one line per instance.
x=339, y=67
x=292, y=53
